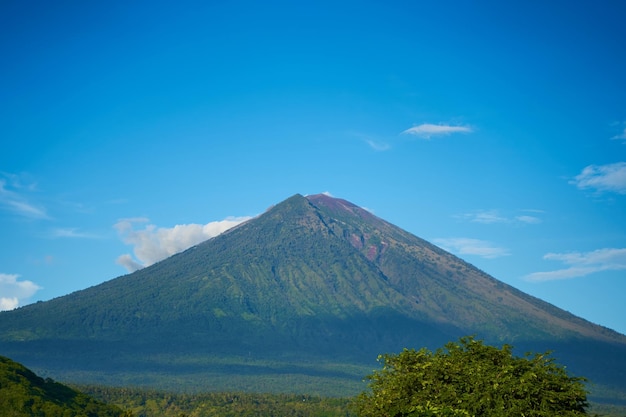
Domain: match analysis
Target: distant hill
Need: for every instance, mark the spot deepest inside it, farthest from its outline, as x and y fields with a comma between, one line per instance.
x=22, y=393
x=301, y=298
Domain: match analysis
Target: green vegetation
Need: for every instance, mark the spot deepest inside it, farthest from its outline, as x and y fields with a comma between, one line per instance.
x=470, y=378
x=196, y=374
x=300, y=299
x=149, y=403
x=22, y=393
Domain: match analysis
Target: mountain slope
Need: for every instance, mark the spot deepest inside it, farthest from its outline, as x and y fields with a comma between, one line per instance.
x=448, y=290
x=313, y=278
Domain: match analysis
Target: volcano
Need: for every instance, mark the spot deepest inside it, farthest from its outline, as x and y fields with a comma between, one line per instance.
x=301, y=298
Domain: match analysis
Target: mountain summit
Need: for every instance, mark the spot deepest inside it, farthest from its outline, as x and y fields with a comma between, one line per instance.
x=314, y=279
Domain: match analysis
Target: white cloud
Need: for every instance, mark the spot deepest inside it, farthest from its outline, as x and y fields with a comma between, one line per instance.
x=468, y=246
x=427, y=130
x=128, y=262
x=580, y=264
x=8, y=303
x=494, y=216
x=14, y=291
x=152, y=244
x=610, y=177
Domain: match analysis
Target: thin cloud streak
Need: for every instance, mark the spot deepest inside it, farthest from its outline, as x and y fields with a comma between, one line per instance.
x=72, y=233
x=486, y=217
x=610, y=178
x=581, y=264
x=469, y=246
x=427, y=130
x=152, y=244
x=621, y=136
x=494, y=217
x=528, y=219
x=377, y=145
x=374, y=143
x=15, y=202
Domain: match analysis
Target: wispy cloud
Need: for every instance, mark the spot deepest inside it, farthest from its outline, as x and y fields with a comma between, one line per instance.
x=12, y=198
x=528, y=219
x=494, y=216
x=620, y=136
x=484, y=216
x=468, y=246
x=71, y=232
x=610, y=178
x=427, y=130
x=13, y=291
x=378, y=146
x=152, y=244
x=580, y=264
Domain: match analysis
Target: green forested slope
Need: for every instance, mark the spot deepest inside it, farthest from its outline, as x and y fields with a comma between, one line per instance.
x=22, y=393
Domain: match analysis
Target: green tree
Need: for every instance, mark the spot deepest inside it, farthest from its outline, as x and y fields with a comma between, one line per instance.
x=23, y=393
x=469, y=378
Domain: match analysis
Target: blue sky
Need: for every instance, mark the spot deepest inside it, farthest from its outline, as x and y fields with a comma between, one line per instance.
x=496, y=130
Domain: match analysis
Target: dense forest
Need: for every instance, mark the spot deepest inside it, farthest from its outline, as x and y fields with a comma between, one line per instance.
x=150, y=403
x=23, y=393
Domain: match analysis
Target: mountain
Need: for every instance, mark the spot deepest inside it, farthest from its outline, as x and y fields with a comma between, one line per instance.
x=23, y=393
x=302, y=297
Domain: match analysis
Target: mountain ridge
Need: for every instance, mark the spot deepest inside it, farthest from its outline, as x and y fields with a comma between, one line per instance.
x=313, y=277
x=325, y=200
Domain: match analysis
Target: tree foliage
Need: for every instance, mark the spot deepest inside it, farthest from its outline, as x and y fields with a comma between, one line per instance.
x=150, y=403
x=469, y=378
x=23, y=393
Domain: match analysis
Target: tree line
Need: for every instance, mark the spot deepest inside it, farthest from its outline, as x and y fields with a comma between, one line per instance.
x=463, y=379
